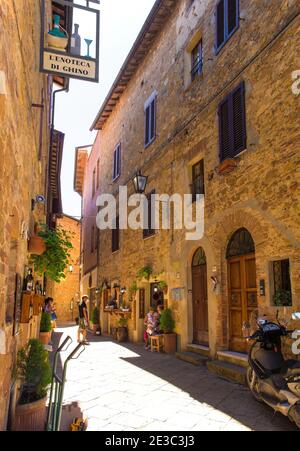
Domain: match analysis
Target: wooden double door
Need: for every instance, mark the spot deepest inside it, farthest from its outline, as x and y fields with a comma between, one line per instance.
x=200, y=305
x=242, y=297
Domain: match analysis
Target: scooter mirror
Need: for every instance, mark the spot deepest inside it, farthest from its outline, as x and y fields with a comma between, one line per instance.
x=296, y=315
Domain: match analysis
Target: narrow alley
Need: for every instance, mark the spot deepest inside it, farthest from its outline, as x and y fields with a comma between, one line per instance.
x=125, y=388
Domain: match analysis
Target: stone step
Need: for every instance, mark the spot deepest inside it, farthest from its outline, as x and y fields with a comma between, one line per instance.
x=198, y=349
x=228, y=371
x=236, y=358
x=192, y=357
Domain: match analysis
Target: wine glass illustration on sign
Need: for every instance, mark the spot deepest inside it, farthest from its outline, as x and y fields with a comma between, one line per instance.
x=88, y=43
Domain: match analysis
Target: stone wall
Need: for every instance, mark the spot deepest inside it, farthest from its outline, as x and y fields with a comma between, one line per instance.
x=23, y=159
x=261, y=194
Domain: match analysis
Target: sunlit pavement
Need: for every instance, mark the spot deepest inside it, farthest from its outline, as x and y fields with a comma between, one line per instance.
x=125, y=388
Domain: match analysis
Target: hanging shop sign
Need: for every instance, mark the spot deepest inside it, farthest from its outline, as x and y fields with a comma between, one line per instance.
x=70, y=41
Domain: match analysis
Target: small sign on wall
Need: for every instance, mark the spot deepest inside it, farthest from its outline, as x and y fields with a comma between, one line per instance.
x=177, y=294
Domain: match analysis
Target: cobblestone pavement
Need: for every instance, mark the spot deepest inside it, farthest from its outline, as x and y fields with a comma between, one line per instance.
x=125, y=388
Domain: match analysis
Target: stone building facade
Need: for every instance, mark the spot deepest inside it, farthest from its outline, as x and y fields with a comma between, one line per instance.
x=25, y=114
x=66, y=293
x=227, y=124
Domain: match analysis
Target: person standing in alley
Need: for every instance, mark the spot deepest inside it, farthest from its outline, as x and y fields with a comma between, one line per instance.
x=83, y=320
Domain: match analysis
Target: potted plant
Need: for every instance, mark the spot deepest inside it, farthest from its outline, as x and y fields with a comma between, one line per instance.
x=56, y=258
x=45, y=328
x=163, y=286
x=96, y=321
x=34, y=370
x=122, y=331
x=167, y=325
x=145, y=272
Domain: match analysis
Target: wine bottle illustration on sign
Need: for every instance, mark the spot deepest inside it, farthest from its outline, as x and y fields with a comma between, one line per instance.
x=76, y=41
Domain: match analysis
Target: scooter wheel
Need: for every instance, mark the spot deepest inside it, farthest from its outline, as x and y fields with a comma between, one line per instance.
x=253, y=384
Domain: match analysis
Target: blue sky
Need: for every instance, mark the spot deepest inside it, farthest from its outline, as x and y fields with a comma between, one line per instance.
x=121, y=22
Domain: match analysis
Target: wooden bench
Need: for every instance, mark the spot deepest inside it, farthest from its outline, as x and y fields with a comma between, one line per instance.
x=156, y=342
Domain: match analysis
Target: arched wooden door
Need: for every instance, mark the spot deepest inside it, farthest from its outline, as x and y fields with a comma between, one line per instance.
x=242, y=288
x=200, y=304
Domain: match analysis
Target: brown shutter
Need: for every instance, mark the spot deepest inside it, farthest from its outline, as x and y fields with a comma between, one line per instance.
x=239, y=119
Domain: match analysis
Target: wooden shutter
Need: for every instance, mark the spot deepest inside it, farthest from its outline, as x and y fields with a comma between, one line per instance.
x=220, y=23
x=142, y=303
x=232, y=124
x=232, y=15
x=239, y=119
x=148, y=231
x=224, y=126
x=116, y=237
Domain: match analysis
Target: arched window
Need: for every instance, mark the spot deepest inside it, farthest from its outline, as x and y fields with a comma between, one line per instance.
x=241, y=243
x=199, y=257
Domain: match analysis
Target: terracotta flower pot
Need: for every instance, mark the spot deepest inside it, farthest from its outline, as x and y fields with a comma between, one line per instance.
x=36, y=245
x=45, y=337
x=30, y=417
x=227, y=166
x=170, y=343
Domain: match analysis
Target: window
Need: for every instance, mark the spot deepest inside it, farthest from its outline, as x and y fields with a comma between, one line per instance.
x=98, y=174
x=232, y=123
x=197, y=60
x=227, y=21
x=148, y=230
x=150, y=119
x=142, y=312
x=94, y=182
x=282, y=292
x=198, y=179
x=116, y=237
x=117, y=162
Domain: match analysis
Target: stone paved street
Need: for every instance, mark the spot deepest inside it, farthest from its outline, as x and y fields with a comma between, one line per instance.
x=125, y=388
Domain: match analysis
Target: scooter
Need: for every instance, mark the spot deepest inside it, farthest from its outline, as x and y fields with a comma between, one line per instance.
x=272, y=379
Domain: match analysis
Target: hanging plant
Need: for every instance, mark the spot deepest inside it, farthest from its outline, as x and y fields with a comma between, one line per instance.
x=163, y=286
x=133, y=289
x=144, y=273
x=56, y=258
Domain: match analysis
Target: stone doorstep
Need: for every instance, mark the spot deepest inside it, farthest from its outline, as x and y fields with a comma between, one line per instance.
x=228, y=371
x=192, y=357
x=199, y=349
x=236, y=358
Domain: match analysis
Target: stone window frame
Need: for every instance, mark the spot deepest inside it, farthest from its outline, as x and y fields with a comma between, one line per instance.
x=272, y=283
x=192, y=44
x=117, y=162
x=151, y=103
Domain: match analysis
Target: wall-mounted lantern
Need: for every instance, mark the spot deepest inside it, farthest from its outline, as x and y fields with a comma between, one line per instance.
x=70, y=44
x=139, y=182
